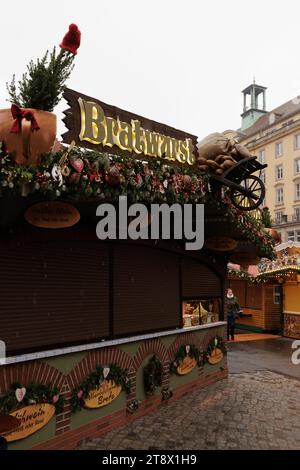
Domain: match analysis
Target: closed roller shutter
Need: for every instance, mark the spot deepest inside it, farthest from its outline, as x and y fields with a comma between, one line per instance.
x=52, y=294
x=238, y=287
x=146, y=290
x=198, y=280
x=254, y=296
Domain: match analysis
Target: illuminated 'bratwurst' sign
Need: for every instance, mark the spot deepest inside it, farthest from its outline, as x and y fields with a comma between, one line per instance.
x=95, y=124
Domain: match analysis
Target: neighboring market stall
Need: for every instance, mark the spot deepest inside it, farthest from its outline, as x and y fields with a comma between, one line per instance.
x=260, y=301
x=285, y=270
x=99, y=332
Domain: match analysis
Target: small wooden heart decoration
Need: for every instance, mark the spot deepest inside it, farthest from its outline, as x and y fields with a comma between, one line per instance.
x=77, y=164
x=20, y=394
x=106, y=371
x=65, y=171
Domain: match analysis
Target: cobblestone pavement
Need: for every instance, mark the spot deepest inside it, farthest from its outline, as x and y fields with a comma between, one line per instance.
x=271, y=354
x=256, y=410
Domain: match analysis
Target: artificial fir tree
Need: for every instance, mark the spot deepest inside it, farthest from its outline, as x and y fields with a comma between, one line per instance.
x=43, y=83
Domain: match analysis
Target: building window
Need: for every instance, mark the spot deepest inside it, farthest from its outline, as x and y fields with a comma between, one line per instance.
x=278, y=217
x=298, y=236
x=297, y=141
x=297, y=166
x=263, y=176
x=278, y=149
x=262, y=156
x=279, y=196
x=297, y=191
x=276, y=294
x=290, y=236
x=279, y=172
x=297, y=214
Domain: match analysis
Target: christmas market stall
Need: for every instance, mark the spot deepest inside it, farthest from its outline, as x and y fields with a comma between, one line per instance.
x=99, y=330
x=284, y=272
x=260, y=301
x=260, y=297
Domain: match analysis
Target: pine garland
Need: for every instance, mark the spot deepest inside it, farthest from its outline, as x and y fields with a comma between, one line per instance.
x=92, y=381
x=241, y=275
x=152, y=375
x=105, y=177
x=216, y=342
x=266, y=218
x=252, y=228
x=194, y=353
x=35, y=394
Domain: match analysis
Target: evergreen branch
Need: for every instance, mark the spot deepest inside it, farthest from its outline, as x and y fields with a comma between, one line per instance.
x=44, y=81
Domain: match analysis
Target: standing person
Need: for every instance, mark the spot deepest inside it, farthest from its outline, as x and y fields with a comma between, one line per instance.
x=233, y=309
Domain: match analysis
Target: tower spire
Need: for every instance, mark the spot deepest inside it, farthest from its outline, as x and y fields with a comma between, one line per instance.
x=254, y=104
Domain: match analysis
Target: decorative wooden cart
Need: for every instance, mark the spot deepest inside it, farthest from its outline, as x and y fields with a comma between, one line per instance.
x=247, y=190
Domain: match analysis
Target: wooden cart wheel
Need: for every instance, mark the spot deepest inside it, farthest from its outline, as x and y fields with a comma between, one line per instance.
x=251, y=194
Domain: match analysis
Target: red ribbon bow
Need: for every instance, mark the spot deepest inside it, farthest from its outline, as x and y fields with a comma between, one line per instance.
x=22, y=113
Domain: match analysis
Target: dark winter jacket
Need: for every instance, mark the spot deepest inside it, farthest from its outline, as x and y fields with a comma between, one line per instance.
x=232, y=308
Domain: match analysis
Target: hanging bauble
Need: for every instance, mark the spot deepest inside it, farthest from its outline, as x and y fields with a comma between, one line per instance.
x=113, y=176
x=187, y=182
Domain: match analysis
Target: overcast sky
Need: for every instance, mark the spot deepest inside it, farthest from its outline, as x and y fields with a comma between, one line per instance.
x=183, y=63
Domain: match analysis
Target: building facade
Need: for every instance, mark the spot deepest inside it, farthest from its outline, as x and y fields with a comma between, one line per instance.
x=275, y=138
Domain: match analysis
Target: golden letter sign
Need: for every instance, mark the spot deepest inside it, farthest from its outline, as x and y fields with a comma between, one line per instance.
x=94, y=123
x=103, y=394
x=33, y=418
x=186, y=366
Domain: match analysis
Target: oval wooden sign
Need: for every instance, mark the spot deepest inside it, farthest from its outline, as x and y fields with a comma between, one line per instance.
x=103, y=394
x=33, y=418
x=186, y=366
x=243, y=258
x=216, y=356
x=53, y=214
x=220, y=243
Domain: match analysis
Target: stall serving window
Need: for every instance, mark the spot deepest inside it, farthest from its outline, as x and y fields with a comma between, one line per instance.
x=201, y=312
x=248, y=295
x=201, y=294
